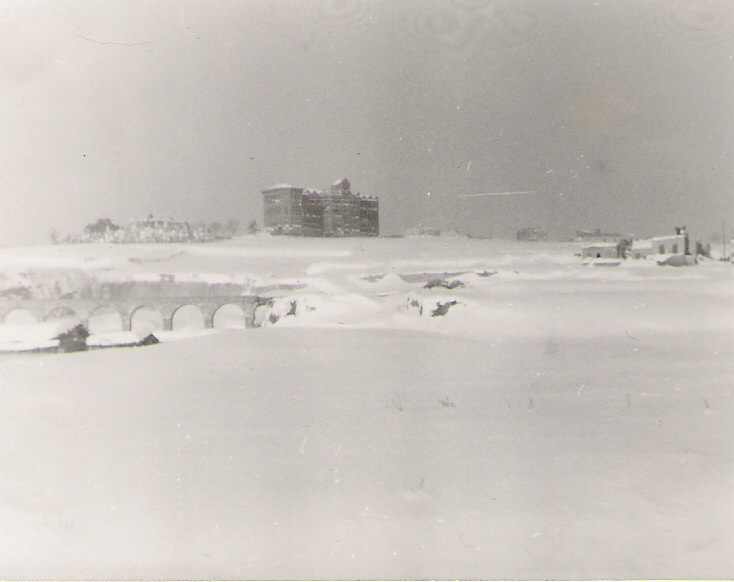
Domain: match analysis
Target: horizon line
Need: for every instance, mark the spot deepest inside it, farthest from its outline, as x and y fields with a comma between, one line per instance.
x=497, y=193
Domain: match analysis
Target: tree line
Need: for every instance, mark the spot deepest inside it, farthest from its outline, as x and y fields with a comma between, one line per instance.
x=153, y=229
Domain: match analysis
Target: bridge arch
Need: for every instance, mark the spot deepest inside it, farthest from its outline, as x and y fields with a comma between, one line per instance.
x=20, y=316
x=146, y=319
x=188, y=317
x=105, y=319
x=229, y=316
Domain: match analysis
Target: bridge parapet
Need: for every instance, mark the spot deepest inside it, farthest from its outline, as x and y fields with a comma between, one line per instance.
x=41, y=309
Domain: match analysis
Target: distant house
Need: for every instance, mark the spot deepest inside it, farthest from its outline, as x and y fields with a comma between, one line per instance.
x=640, y=249
x=670, y=245
x=531, y=234
x=290, y=210
x=674, y=245
x=601, y=250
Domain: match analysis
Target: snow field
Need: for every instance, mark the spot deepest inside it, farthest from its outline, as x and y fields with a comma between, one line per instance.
x=558, y=421
x=339, y=453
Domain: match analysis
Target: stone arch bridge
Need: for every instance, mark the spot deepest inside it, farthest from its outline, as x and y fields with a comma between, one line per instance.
x=43, y=309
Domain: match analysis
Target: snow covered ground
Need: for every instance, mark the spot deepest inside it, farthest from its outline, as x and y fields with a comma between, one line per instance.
x=526, y=416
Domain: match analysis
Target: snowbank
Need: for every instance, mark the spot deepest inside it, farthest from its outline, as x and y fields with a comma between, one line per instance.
x=122, y=338
x=33, y=336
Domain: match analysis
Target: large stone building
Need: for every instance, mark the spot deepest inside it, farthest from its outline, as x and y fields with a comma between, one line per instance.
x=304, y=212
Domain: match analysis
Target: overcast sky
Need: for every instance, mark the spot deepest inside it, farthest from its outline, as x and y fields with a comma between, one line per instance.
x=617, y=114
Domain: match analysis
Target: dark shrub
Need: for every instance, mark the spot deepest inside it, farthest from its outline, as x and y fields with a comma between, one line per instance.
x=149, y=340
x=443, y=308
x=73, y=340
x=433, y=283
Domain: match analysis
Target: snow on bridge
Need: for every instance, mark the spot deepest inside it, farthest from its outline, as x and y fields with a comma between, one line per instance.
x=84, y=309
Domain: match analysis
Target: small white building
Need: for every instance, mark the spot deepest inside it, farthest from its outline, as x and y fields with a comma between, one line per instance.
x=640, y=249
x=601, y=250
x=674, y=244
x=669, y=245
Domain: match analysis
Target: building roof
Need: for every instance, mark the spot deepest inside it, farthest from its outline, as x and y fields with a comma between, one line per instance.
x=319, y=192
x=280, y=187
x=668, y=237
x=598, y=245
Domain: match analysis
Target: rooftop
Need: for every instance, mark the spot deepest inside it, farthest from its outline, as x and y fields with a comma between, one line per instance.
x=600, y=245
x=280, y=187
x=666, y=237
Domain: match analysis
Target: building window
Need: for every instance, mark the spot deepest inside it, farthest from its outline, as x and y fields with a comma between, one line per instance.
x=661, y=250
x=675, y=249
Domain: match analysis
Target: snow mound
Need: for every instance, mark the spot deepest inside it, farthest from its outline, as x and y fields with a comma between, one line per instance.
x=121, y=338
x=40, y=333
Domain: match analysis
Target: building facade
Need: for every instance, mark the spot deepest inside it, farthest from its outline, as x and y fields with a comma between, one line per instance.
x=284, y=209
x=674, y=244
x=296, y=211
x=600, y=251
